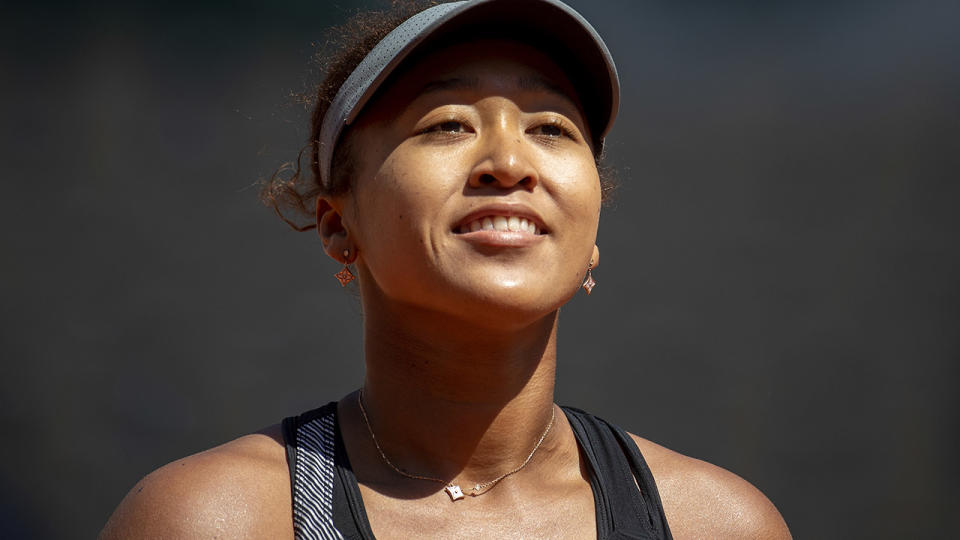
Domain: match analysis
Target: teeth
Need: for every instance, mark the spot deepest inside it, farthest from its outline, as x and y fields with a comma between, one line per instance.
x=501, y=223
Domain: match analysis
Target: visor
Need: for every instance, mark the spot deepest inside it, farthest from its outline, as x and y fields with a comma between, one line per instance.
x=550, y=25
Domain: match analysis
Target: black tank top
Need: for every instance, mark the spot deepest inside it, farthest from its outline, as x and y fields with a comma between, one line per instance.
x=327, y=501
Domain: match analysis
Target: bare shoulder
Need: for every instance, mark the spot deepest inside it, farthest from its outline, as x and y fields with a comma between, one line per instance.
x=237, y=490
x=702, y=500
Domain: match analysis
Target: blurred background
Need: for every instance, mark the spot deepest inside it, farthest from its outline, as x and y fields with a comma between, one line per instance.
x=779, y=293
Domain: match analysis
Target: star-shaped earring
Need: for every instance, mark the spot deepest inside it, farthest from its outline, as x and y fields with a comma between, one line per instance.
x=345, y=276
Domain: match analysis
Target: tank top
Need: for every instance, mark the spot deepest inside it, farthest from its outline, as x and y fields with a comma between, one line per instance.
x=327, y=502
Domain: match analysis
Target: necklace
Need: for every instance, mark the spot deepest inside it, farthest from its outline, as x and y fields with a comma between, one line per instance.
x=452, y=489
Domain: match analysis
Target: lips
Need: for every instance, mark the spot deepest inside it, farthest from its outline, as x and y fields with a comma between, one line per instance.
x=500, y=223
x=502, y=218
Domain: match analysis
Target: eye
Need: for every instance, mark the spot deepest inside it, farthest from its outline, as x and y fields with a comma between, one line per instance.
x=552, y=129
x=447, y=126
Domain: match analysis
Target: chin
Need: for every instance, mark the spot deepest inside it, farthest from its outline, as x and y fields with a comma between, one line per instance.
x=509, y=306
x=500, y=303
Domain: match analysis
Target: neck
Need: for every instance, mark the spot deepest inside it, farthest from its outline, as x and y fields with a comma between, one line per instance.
x=455, y=402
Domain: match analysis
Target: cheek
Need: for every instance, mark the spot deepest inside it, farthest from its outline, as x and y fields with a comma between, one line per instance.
x=413, y=184
x=386, y=245
x=398, y=205
x=577, y=190
x=420, y=181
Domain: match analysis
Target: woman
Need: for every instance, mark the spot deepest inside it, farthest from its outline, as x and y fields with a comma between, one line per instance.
x=455, y=168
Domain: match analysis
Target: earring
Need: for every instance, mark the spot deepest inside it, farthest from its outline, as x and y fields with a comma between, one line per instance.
x=589, y=283
x=345, y=276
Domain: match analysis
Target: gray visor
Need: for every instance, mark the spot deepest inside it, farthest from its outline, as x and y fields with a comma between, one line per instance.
x=551, y=25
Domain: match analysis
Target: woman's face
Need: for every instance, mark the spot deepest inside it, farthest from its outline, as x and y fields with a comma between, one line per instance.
x=475, y=192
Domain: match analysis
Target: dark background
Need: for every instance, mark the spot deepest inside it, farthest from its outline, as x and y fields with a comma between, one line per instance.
x=779, y=288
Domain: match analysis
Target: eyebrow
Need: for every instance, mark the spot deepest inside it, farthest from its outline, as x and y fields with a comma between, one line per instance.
x=540, y=84
x=455, y=83
x=528, y=83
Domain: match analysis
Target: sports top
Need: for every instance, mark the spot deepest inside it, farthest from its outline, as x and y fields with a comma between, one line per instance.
x=327, y=502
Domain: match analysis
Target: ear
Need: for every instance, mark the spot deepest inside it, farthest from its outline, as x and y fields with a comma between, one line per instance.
x=595, y=258
x=333, y=234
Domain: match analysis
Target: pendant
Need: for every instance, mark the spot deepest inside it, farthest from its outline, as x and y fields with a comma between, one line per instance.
x=589, y=283
x=454, y=492
x=344, y=276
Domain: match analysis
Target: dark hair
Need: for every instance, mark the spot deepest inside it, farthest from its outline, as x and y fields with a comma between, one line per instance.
x=289, y=188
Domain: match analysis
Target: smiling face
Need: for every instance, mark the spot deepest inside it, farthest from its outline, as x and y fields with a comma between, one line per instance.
x=475, y=192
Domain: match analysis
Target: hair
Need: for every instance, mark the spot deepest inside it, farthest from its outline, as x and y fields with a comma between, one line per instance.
x=290, y=187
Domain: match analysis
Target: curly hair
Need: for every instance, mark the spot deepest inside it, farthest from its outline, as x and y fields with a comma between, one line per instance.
x=291, y=188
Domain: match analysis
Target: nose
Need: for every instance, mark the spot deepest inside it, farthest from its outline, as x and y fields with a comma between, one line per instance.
x=503, y=159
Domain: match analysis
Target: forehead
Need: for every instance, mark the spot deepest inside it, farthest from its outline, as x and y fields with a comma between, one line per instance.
x=489, y=65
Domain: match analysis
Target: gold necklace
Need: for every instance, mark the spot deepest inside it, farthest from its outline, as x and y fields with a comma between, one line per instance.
x=453, y=490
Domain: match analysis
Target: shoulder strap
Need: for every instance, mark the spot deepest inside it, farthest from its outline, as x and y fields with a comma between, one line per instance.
x=289, y=429
x=644, y=478
x=620, y=469
x=309, y=439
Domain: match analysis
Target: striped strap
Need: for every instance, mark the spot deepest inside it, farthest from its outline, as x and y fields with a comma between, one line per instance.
x=313, y=485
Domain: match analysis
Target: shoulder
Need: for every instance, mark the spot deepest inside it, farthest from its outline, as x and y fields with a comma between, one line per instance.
x=238, y=490
x=702, y=500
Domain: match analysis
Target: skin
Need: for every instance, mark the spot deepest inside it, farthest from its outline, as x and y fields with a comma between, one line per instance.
x=459, y=328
